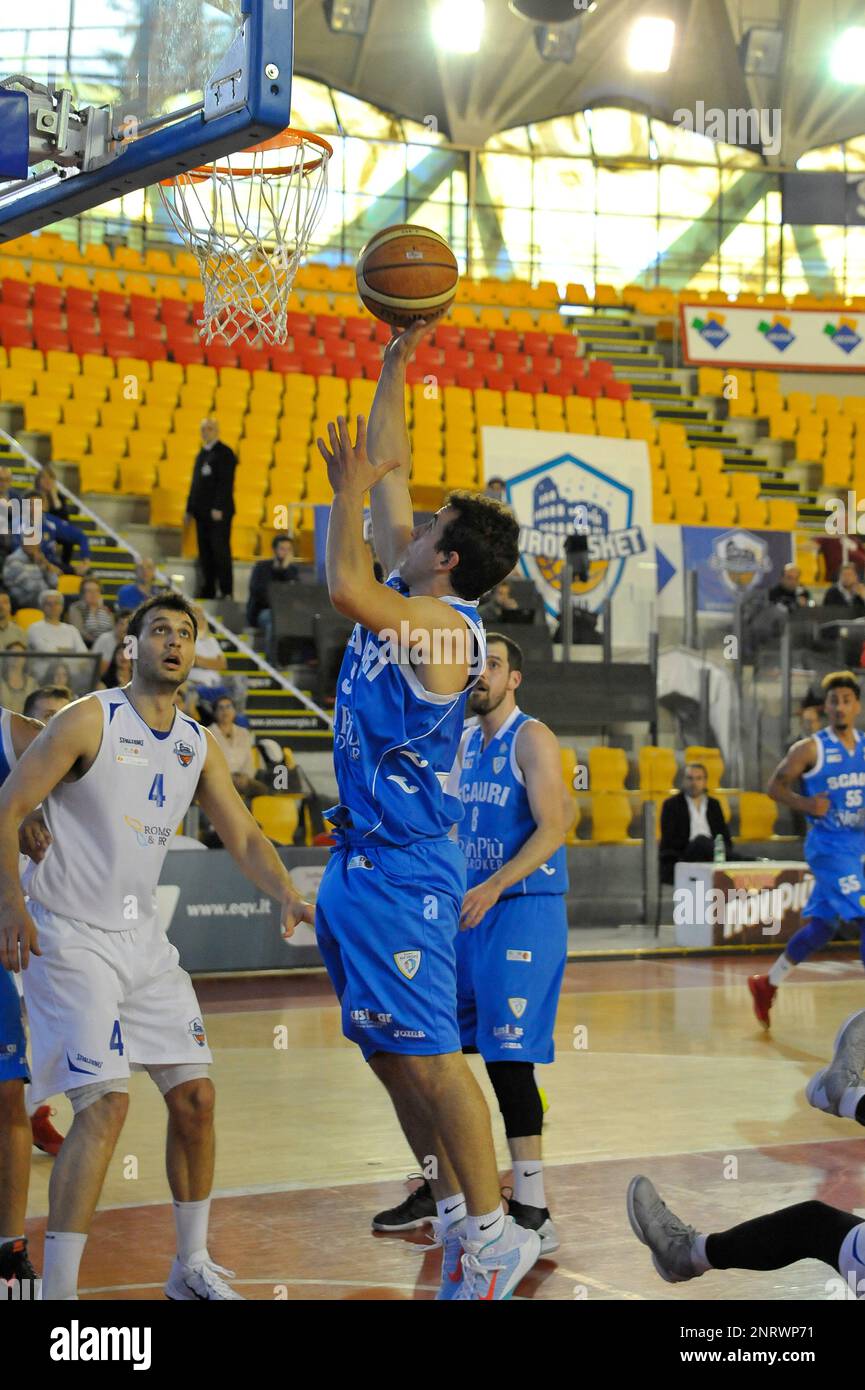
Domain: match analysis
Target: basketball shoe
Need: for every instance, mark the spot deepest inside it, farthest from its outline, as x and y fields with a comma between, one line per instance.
x=450, y=1238
x=535, y=1219
x=45, y=1136
x=492, y=1272
x=668, y=1238
x=15, y=1264
x=763, y=994
x=201, y=1282
x=417, y=1210
x=827, y=1088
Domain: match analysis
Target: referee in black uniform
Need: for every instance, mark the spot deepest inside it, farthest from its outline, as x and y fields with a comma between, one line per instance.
x=211, y=504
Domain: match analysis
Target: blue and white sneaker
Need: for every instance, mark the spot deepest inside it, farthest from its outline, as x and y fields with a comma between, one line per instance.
x=827, y=1088
x=492, y=1271
x=450, y=1238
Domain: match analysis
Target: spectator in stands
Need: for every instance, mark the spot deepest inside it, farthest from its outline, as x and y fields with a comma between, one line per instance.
x=119, y=670
x=44, y=702
x=847, y=592
x=16, y=681
x=89, y=614
x=496, y=488
x=237, y=745
x=839, y=550
x=208, y=674
x=59, y=538
x=106, y=645
x=52, y=636
x=55, y=507
x=810, y=715
x=690, y=823
x=9, y=631
x=27, y=573
x=501, y=606
x=211, y=505
x=279, y=570
x=130, y=595
x=10, y=517
x=789, y=593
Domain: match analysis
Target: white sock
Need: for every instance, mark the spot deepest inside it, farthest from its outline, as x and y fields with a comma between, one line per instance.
x=780, y=970
x=484, y=1229
x=849, y=1101
x=450, y=1210
x=529, y=1182
x=60, y=1262
x=190, y=1221
x=698, y=1255
x=7, y=1240
x=28, y=1103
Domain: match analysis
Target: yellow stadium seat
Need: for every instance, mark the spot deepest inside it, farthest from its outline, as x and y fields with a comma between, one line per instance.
x=828, y=405
x=611, y=817
x=657, y=769
x=107, y=280
x=713, y=761
x=137, y=476
x=146, y=448
x=783, y=425
x=63, y=363
x=837, y=468
x=577, y=294
x=767, y=382
x=721, y=511
x=714, y=486
x=69, y=444
x=278, y=817
x=710, y=381
x=663, y=508
x=745, y=487
x=167, y=506
x=607, y=297
x=426, y=470
x=26, y=360
x=672, y=435
x=97, y=475
x=743, y=407
x=521, y=320
x=26, y=617
x=809, y=563
x=67, y=584
x=579, y=415
x=690, y=511
x=41, y=414
x=800, y=403
x=608, y=769
x=108, y=443
x=551, y=323
x=753, y=515
x=757, y=816
x=100, y=368
x=519, y=410
x=783, y=514
x=460, y=472
x=84, y=414
x=549, y=413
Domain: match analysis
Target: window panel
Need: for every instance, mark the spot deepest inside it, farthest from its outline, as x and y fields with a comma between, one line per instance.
x=686, y=192
x=628, y=191
x=619, y=133
x=564, y=184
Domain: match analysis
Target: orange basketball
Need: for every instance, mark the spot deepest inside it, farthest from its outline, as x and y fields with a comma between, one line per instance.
x=407, y=273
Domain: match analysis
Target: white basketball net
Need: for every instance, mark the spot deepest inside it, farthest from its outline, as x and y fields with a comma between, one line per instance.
x=248, y=220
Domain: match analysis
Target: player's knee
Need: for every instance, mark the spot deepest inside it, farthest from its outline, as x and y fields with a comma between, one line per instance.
x=104, y=1104
x=518, y=1097
x=13, y=1111
x=192, y=1100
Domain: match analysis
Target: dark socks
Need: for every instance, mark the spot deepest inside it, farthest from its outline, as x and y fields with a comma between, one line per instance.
x=809, y=1231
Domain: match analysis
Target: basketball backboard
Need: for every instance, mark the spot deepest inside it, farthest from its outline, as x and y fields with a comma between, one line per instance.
x=155, y=87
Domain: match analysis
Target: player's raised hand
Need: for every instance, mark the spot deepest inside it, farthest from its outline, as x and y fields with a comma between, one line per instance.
x=404, y=340
x=348, y=465
x=477, y=903
x=34, y=836
x=18, y=940
x=294, y=910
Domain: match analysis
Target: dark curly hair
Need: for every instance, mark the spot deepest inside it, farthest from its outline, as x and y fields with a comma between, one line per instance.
x=485, y=535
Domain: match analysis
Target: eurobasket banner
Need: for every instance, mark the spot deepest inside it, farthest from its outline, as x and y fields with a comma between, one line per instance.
x=791, y=340
x=733, y=562
x=556, y=481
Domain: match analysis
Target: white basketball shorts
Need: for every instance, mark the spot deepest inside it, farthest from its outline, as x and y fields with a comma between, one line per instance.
x=102, y=1003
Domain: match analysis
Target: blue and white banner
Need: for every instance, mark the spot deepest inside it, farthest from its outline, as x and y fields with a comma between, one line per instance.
x=733, y=561
x=559, y=482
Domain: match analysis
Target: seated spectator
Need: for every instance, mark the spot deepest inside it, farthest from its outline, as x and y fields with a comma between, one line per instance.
x=208, y=675
x=119, y=669
x=690, y=823
x=789, y=593
x=89, y=614
x=51, y=635
x=16, y=681
x=9, y=630
x=840, y=550
x=56, y=520
x=502, y=607
x=847, y=592
x=237, y=745
x=44, y=702
x=105, y=645
x=27, y=573
x=10, y=517
x=145, y=586
x=279, y=570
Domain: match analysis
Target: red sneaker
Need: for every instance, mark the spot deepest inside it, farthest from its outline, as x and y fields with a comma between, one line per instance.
x=762, y=993
x=45, y=1136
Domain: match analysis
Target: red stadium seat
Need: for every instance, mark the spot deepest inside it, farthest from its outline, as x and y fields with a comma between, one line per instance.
x=304, y=341
x=456, y=358
x=174, y=311
x=348, y=368
x=16, y=314
x=574, y=368
x=371, y=369
x=476, y=339
x=51, y=339
x=588, y=386
x=559, y=386
x=486, y=362
x=429, y=356
x=182, y=335
x=445, y=376
x=381, y=331
x=532, y=383
x=601, y=371
x=151, y=350
x=314, y=363
x=151, y=329
x=565, y=345
x=328, y=326
x=16, y=292
x=415, y=374
x=140, y=307
x=48, y=297
x=500, y=381
x=47, y=318
x=506, y=340
x=536, y=344
x=339, y=348
x=188, y=354
x=471, y=378
x=83, y=343
x=359, y=330
x=447, y=336
x=220, y=355
x=119, y=345
x=618, y=390
x=15, y=335
x=107, y=302
x=546, y=367
x=297, y=323
x=80, y=302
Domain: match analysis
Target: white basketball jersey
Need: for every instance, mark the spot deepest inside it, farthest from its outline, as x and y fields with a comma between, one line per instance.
x=113, y=827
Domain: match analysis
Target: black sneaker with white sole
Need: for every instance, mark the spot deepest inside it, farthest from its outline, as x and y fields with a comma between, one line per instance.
x=15, y=1264
x=535, y=1219
x=417, y=1210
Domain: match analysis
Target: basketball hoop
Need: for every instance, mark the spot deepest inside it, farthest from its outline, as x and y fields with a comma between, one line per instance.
x=248, y=219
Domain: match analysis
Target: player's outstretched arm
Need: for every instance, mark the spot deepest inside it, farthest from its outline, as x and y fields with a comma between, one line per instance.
x=251, y=850
x=73, y=736
x=539, y=761
x=33, y=836
x=390, y=504
x=782, y=784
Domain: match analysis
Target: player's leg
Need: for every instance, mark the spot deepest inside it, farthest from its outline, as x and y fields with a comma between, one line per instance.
x=14, y=1136
x=807, y=1231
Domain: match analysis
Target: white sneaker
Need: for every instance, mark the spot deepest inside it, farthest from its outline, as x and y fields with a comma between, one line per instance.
x=200, y=1281
x=492, y=1271
x=845, y=1073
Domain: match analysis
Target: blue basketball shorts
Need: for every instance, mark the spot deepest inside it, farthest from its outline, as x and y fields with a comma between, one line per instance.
x=13, y=1044
x=839, y=887
x=509, y=975
x=386, y=918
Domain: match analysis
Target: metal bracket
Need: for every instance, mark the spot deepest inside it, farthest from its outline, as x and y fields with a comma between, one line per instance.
x=228, y=88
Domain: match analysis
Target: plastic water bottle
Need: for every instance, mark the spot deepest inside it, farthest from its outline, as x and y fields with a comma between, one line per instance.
x=720, y=854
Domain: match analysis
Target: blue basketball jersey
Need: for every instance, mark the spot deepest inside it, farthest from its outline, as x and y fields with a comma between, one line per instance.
x=396, y=743
x=838, y=774
x=498, y=817
x=7, y=752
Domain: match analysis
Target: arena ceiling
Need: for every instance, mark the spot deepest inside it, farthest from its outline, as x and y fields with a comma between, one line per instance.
x=398, y=66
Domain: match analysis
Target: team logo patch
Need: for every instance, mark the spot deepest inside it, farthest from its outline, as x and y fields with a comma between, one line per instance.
x=517, y=1007
x=360, y=861
x=196, y=1028
x=519, y=955
x=498, y=764
x=184, y=753
x=407, y=963
x=741, y=559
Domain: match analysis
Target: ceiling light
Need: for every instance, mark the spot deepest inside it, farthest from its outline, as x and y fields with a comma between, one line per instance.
x=458, y=25
x=650, y=45
x=348, y=16
x=847, y=63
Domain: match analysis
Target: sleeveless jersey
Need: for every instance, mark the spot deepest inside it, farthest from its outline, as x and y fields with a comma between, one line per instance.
x=498, y=818
x=396, y=743
x=840, y=775
x=112, y=828
x=7, y=752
